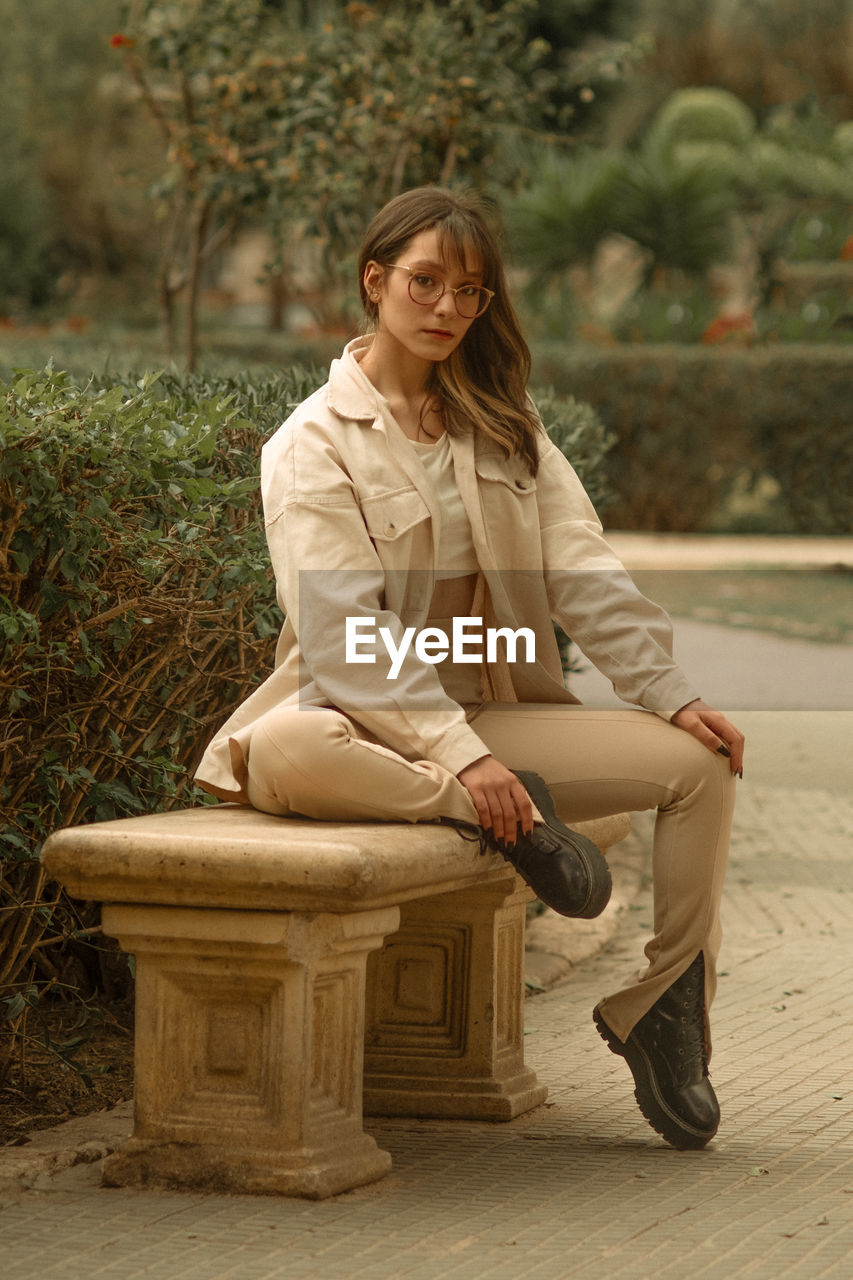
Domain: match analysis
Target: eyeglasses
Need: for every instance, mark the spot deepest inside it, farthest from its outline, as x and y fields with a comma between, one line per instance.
x=471, y=299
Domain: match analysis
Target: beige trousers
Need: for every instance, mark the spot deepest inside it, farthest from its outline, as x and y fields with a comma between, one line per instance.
x=316, y=762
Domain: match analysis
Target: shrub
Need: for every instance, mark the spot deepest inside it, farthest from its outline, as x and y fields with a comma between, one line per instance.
x=559, y=219
x=677, y=205
x=703, y=115
x=134, y=605
x=690, y=422
x=136, y=609
x=579, y=433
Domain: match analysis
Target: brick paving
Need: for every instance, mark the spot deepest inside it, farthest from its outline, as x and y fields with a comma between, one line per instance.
x=582, y=1187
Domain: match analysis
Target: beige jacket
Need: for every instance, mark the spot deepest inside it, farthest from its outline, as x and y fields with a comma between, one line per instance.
x=353, y=524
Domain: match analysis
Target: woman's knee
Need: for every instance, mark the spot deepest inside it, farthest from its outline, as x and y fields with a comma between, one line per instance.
x=291, y=744
x=700, y=772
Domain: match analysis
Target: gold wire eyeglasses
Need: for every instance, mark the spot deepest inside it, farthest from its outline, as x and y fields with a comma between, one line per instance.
x=425, y=289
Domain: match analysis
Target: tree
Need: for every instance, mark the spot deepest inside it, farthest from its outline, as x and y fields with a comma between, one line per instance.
x=313, y=126
x=207, y=75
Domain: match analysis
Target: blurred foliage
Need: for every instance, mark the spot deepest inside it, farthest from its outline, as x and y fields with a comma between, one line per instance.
x=702, y=115
x=579, y=433
x=705, y=186
x=559, y=219
x=294, y=122
x=768, y=53
x=589, y=51
x=28, y=227
x=691, y=422
x=583, y=117
x=689, y=314
x=118, y=351
x=275, y=113
x=70, y=209
x=677, y=207
x=665, y=315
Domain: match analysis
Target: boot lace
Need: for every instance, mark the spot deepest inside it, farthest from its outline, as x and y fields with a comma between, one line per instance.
x=679, y=1023
x=473, y=834
x=690, y=1025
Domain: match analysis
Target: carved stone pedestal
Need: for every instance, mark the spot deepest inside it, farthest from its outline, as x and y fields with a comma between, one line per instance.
x=445, y=1010
x=249, y=1035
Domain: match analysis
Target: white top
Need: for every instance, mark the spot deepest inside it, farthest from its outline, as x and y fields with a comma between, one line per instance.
x=456, y=555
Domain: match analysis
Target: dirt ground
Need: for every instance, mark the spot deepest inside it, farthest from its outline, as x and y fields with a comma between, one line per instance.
x=88, y=1068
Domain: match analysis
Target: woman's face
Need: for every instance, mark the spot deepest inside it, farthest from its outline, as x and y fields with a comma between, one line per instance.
x=428, y=332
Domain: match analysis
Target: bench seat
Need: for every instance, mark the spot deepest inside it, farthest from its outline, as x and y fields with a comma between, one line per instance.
x=292, y=975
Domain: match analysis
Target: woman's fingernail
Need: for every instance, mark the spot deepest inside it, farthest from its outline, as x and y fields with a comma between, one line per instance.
x=740, y=772
x=723, y=750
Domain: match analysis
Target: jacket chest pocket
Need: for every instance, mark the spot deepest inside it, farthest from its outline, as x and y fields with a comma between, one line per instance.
x=507, y=489
x=388, y=516
x=507, y=475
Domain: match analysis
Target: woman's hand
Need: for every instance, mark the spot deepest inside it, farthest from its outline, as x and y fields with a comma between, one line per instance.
x=499, y=798
x=713, y=730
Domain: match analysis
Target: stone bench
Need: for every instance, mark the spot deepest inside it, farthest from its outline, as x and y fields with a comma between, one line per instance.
x=291, y=974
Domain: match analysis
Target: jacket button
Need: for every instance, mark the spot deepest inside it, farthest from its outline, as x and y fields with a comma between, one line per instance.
x=521, y=484
x=389, y=528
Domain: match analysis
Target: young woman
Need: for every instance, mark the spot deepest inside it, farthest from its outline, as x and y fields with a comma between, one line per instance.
x=424, y=532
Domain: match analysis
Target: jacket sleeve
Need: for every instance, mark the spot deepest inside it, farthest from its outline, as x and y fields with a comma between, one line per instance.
x=593, y=598
x=327, y=570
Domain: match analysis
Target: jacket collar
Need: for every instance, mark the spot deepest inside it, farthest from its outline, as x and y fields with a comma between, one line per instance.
x=351, y=394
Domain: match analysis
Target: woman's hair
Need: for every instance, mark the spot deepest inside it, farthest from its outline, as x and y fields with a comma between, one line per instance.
x=482, y=385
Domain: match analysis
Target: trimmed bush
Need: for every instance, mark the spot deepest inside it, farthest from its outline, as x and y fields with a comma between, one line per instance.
x=704, y=114
x=137, y=609
x=689, y=422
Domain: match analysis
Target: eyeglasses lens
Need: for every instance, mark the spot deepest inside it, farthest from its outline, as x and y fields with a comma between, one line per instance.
x=471, y=304
x=470, y=301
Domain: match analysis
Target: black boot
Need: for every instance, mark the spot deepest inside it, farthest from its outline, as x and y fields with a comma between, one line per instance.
x=564, y=869
x=667, y=1056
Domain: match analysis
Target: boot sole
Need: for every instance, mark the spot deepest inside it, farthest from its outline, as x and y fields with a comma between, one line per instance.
x=593, y=860
x=661, y=1117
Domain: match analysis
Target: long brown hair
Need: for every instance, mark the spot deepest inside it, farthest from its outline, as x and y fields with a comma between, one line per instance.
x=482, y=385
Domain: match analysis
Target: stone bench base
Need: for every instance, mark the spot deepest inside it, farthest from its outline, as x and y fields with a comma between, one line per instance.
x=291, y=975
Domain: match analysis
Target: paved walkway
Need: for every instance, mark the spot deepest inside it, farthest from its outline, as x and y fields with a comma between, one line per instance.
x=582, y=1187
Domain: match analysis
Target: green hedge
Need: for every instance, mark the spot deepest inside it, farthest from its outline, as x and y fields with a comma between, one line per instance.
x=135, y=610
x=136, y=607
x=692, y=422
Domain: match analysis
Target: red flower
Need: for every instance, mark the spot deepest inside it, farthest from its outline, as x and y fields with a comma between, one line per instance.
x=737, y=326
x=122, y=42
